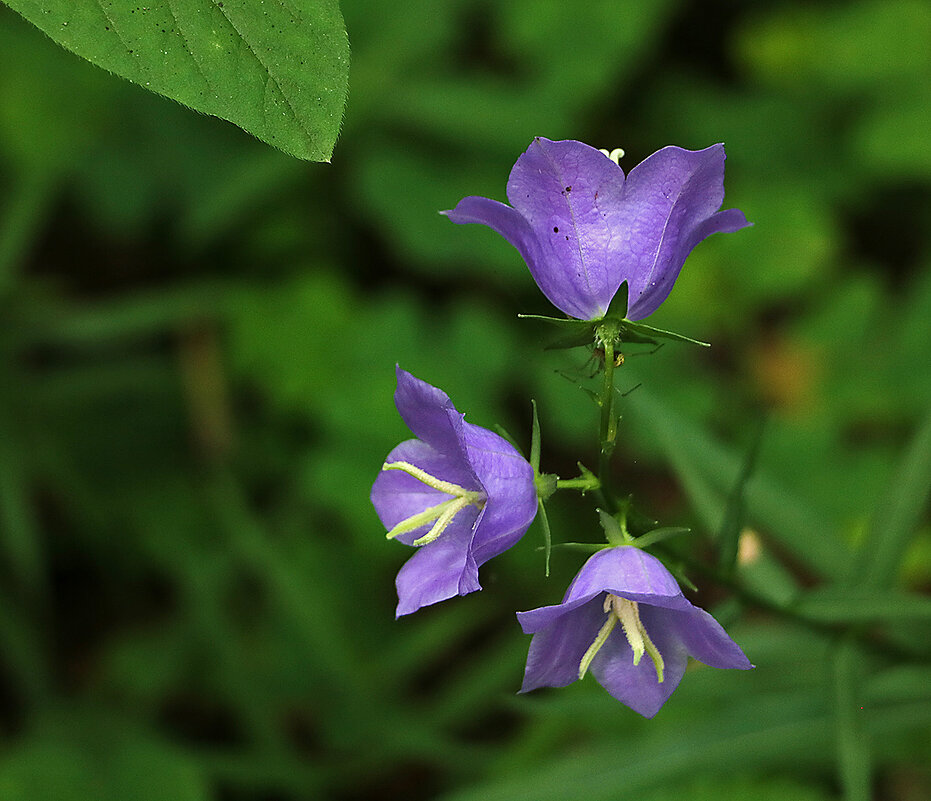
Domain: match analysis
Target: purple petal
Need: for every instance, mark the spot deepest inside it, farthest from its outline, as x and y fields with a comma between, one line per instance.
x=512, y=496
x=702, y=636
x=569, y=194
x=627, y=572
x=636, y=686
x=501, y=218
x=441, y=569
x=429, y=414
x=556, y=650
x=670, y=201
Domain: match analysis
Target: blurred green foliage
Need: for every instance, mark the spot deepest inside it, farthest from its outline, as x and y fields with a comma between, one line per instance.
x=197, y=367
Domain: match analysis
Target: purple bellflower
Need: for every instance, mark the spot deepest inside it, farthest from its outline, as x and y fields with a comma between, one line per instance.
x=584, y=229
x=458, y=492
x=628, y=586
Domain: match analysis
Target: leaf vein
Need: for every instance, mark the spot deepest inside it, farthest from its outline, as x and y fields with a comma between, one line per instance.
x=268, y=71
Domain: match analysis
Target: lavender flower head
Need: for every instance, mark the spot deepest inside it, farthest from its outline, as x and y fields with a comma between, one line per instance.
x=458, y=492
x=628, y=586
x=584, y=229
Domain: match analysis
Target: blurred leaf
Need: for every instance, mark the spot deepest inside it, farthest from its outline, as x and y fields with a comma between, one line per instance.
x=733, y=522
x=880, y=555
x=853, y=747
x=709, y=470
x=279, y=72
x=79, y=757
x=853, y=605
x=865, y=44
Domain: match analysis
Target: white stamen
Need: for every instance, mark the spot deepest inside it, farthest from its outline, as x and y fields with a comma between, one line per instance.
x=443, y=513
x=445, y=519
x=595, y=647
x=615, y=155
x=628, y=613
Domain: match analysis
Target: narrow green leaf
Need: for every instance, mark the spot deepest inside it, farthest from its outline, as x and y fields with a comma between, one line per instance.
x=277, y=69
x=853, y=752
x=898, y=513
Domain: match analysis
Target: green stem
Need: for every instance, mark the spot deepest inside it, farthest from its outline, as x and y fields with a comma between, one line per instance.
x=608, y=428
x=584, y=484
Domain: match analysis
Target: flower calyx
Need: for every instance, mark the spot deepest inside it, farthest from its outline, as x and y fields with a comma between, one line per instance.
x=442, y=514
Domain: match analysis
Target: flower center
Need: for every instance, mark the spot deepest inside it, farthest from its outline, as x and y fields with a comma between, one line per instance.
x=615, y=155
x=440, y=515
x=628, y=614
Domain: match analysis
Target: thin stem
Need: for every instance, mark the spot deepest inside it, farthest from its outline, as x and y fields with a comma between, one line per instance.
x=608, y=429
x=584, y=484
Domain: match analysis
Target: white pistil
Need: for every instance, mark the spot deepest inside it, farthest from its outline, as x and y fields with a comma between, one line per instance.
x=615, y=155
x=443, y=513
x=628, y=613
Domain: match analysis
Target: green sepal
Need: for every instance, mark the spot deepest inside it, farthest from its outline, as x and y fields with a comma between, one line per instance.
x=615, y=527
x=659, y=534
x=576, y=332
x=647, y=334
x=678, y=573
x=547, y=546
x=584, y=547
x=617, y=310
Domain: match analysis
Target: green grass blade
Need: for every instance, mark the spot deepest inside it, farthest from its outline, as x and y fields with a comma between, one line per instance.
x=898, y=513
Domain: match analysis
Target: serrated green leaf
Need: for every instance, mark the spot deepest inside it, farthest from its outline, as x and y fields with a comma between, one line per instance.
x=278, y=70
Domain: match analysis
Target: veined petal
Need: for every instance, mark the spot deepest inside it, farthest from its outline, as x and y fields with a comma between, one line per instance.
x=499, y=217
x=670, y=201
x=637, y=686
x=703, y=637
x=627, y=572
x=557, y=649
x=442, y=569
x=511, y=494
x=429, y=414
x=569, y=194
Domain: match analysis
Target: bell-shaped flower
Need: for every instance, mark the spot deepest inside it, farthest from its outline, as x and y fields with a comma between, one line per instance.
x=459, y=493
x=624, y=605
x=584, y=229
